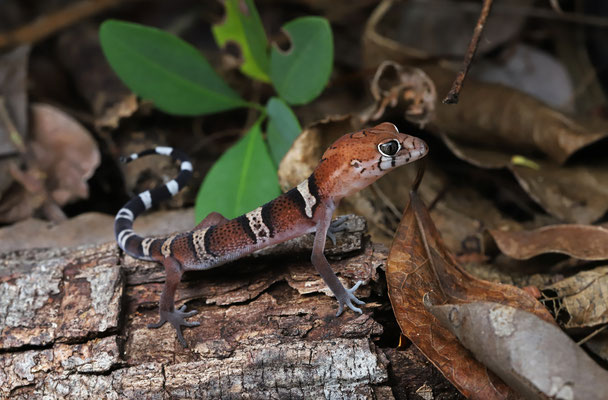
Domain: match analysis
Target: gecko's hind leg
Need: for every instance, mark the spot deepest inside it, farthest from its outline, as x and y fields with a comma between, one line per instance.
x=167, y=311
x=213, y=218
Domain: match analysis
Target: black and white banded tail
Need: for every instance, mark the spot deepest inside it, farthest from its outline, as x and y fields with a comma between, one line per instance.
x=128, y=240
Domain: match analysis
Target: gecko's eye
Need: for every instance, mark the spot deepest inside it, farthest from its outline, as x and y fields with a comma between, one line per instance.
x=389, y=148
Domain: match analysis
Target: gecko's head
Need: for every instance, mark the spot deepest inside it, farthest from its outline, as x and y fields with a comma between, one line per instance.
x=358, y=159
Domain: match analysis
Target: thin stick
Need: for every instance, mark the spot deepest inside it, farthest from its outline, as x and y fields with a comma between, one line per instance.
x=592, y=334
x=452, y=97
x=51, y=23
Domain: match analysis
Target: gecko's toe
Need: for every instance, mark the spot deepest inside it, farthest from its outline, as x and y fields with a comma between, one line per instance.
x=349, y=299
x=340, y=309
x=337, y=225
x=158, y=324
x=355, y=309
x=331, y=237
x=177, y=318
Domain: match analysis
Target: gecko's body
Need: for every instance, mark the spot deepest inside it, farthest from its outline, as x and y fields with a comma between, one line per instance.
x=353, y=162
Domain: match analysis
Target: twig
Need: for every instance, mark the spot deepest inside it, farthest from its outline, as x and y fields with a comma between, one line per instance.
x=509, y=9
x=51, y=23
x=384, y=198
x=592, y=334
x=556, y=7
x=452, y=97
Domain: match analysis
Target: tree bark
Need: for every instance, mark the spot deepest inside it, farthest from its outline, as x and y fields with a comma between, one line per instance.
x=73, y=325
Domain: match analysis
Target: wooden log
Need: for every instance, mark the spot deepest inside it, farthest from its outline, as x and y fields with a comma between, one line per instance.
x=73, y=325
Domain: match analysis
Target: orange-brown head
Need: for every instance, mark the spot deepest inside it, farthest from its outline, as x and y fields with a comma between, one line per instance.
x=358, y=159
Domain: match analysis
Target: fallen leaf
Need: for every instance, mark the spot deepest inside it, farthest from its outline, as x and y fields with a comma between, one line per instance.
x=580, y=300
x=572, y=193
x=493, y=123
x=532, y=71
x=519, y=124
x=419, y=263
x=65, y=151
x=534, y=357
x=585, y=242
x=408, y=89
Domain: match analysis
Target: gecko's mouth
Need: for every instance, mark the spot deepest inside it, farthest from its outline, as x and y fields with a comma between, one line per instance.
x=417, y=152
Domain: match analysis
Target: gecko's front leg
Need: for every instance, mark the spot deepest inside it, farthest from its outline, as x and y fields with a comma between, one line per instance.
x=167, y=311
x=344, y=296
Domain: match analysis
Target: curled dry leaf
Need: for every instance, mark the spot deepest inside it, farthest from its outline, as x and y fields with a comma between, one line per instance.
x=585, y=242
x=404, y=88
x=419, y=263
x=580, y=300
x=533, y=356
x=65, y=151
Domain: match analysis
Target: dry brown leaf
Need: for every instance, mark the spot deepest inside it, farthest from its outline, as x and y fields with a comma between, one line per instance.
x=572, y=193
x=414, y=270
x=65, y=151
x=585, y=242
x=408, y=89
x=489, y=114
x=493, y=123
x=496, y=117
x=534, y=357
x=62, y=155
x=582, y=299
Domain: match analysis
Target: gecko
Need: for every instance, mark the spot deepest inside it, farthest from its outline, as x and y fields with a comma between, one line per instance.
x=351, y=163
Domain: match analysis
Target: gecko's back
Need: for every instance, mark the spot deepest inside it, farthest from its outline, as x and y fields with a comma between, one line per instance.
x=286, y=217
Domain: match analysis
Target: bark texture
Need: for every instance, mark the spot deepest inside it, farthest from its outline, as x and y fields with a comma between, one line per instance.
x=73, y=325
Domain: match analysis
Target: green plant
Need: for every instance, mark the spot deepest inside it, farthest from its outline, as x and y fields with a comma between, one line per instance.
x=174, y=75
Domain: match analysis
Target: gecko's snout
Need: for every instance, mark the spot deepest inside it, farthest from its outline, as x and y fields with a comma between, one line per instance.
x=417, y=148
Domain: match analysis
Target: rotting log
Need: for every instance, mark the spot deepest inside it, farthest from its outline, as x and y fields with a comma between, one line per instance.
x=73, y=325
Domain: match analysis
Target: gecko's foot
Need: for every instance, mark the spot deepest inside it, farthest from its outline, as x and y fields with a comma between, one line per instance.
x=349, y=299
x=177, y=319
x=337, y=225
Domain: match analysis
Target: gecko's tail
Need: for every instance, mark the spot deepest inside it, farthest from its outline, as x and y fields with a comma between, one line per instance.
x=133, y=244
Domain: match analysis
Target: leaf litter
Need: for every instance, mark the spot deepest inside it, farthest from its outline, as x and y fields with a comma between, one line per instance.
x=420, y=264
x=540, y=151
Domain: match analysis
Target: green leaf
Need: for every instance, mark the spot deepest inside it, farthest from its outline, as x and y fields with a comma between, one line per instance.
x=165, y=69
x=242, y=25
x=282, y=129
x=300, y=74
x=242, y=179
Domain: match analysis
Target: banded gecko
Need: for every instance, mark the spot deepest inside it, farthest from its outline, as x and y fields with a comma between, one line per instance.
x=351, y=163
